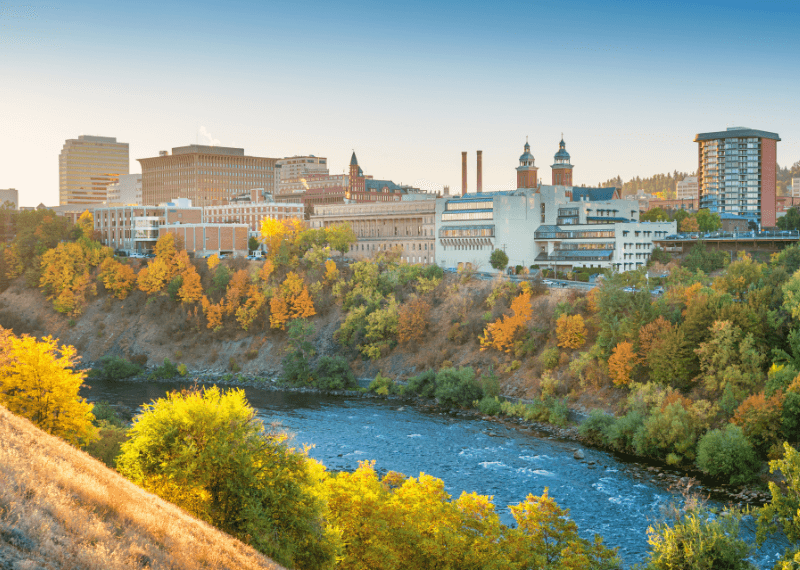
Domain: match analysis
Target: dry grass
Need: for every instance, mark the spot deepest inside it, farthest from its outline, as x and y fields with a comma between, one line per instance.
x=60, y=509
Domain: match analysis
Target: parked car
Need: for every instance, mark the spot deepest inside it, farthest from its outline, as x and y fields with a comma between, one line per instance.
x=631, y=290
x=548, y=282
x=658, y=290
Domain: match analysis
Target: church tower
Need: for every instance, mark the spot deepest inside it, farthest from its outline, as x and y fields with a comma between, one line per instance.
x=356, y=178
x=562, y=169
x=526, y=171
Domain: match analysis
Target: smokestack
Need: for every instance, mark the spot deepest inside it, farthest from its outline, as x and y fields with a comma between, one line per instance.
x=480, y=171
x=463, y=173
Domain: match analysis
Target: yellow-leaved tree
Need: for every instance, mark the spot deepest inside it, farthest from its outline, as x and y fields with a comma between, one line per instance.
x=570, y=331
x=66, y=273
x=117, y=277
x=291, y=301
x=621, y=363
x=168, y=264
x=506, y=331
x=38, y=382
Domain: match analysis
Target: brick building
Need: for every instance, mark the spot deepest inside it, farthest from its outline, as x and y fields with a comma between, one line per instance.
x=203, y=239
x=136, y=228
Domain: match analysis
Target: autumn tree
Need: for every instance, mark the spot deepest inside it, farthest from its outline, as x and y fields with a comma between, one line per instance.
x=341, y=237
x=208, y=453
x=689, y=225
x=191, y=290
x=213, y=313
x=212, y=261
x=760, y=420
x=291, y=301
x=507, y=330
x=247, y=312
x=570, y=331
x=412, y=321
x=621, y=363
x=168, y=264
x=119, y=278
x=38, y=381
x=66, y=273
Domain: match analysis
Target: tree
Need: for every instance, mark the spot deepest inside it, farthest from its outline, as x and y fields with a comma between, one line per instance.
x=213, y=261
x=791, y=220
x=505, y=332
x=66, y=276
x=708, y=221
x=168, y=264
x=689, y=225
x=570, y=331
x=654, y=215
x=698, y=539
x=412, y=321
x=38, y=382
x=761, y=420
x=117, y=277
x=783, y=512
x=728, y=455
x=252, y=243
x=621, y=363
x=191, y=289
x=341, y=237
x=498, y=259
x=206, y=452
x=679, y=216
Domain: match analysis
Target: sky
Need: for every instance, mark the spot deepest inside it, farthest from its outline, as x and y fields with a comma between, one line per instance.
x=407, y=85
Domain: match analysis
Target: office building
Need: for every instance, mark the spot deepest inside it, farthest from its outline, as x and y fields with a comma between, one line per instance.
x=9, y=195
x=687, y=189
x=87, y=165
x=126, y=191
x=407, y=226
x=206, y=175
x=251, y=212
x=290, y=171
x=737, y=173
x=795, y=193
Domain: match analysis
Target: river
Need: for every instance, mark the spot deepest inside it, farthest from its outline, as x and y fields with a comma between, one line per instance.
x=604, y=494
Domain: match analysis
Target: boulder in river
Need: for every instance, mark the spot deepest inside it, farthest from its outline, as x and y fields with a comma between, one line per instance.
x=578, y=454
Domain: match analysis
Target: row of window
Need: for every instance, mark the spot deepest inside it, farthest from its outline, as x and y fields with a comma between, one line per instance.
x=470, y=205
x=446, y=216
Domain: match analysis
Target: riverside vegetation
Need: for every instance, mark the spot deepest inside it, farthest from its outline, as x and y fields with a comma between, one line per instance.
x=705, y=375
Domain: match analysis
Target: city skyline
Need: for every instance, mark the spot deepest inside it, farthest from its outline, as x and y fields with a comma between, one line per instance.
x=408, y=87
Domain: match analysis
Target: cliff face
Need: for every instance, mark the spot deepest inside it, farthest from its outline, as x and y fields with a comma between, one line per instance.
x=64, y=509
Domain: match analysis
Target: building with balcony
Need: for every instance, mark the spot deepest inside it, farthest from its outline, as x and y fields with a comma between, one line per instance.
x=737, y=173
x=86, y=166
x=407, y=226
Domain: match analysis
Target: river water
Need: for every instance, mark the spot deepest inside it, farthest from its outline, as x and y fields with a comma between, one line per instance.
x=604, y=494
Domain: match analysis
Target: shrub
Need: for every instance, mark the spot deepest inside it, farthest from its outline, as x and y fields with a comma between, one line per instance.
x=621, y=434
x=166, y=371
x=139, y=359
x=423, y=385
x=549, y=358
x=559, y=412
x=108, y=447
x=233, y=365
x=700, y=539
x=114, y=368
x=296, y=370
x=728, y=454
x=104, y=413
x=383, y=385
x=334, y=373
x=594, y=428
x=457, y=387
x=182, y=370
x=490, y=384
x=490, y=406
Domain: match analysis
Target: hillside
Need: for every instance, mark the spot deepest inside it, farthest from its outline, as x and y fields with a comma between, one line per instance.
x=60, y=508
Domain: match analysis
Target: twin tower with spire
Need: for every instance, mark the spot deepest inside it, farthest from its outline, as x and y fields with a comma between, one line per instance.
x=527, y=172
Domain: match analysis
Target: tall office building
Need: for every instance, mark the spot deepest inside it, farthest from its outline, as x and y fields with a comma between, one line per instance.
x=686, y=189
x=87, y=165
x=292, y=170
x=207, y=175
x=10, y=195
x=737, y=173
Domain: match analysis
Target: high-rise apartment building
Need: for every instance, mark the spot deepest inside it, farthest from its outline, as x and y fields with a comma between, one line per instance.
x=687, y=188
x=87, y=165
x=737, y=173
x=207, y=175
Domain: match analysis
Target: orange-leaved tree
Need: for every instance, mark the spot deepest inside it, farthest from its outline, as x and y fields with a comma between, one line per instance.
x=213, y=313
x=247, y=312
x=761, y=419
x=117, y=277
x=570, y=331
x=168, y=264
x=191, y=289
x=621, y=363
x=412, y=321
x=237, y=289
x=38, y=381
x=291, y=301
x=506, y=331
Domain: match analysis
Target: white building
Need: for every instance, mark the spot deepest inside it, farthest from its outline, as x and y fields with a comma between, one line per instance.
x=560, y=227
x=127, y=191
x=291, y=170
x=795, y=187
x=687, y=189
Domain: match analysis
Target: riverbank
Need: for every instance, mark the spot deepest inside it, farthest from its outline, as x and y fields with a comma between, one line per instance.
x=685, y=481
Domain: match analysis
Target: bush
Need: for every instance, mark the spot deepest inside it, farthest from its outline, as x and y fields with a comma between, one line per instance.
x=383, y=386
x=596, y=426
x=699, y=539
x=166, y=371
x=108, y=447
x=233, y=365
x=174, y=286
x=728, y=454
x=490, y=406
x=139, y=360
x=559, y=412
x=549, y=358
x=490, y=384
x=621, y=434
x=334, y=373
x=106, y=415
x=296, y=370
x=457, y=387
x=422, y=385
x=114, y=368
x=182, y=369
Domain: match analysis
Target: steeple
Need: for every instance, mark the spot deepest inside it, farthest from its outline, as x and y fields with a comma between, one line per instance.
x=353, y=159
x=562, y=168
x=526, y=171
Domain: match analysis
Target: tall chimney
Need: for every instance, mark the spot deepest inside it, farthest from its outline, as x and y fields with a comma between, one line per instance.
x=480, y=171
x=463, y=173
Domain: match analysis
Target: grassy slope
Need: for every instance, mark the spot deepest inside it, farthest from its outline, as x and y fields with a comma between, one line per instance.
x=60, y=508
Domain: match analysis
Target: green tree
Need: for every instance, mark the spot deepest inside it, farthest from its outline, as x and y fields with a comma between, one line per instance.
x=38, y=382
x=708, y=221
x=679, y=216
x=728, y=455
x=790, y=221
x=253, y=243
x=341, y=237
x=784, y=510
x=206, y=452
x=654, y=215
x=498, y=259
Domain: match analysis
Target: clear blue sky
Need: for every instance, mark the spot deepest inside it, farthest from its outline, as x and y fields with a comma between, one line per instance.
x=408, y=85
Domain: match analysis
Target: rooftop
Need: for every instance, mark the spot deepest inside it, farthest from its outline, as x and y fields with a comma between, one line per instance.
x=736, y=132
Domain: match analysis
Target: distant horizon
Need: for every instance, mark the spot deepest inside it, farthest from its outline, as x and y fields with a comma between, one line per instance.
x=409, y=86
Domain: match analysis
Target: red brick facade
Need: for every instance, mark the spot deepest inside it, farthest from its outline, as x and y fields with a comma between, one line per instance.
x=768, y=182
